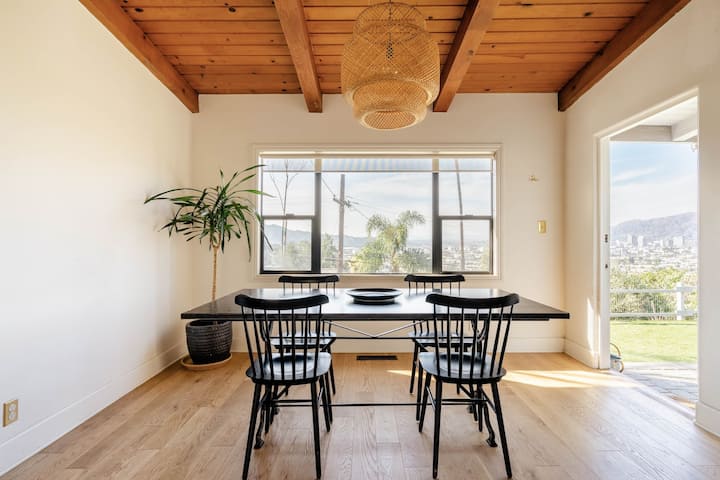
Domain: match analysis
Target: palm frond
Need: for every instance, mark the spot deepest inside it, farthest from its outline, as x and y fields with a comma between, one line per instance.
x=218, y=213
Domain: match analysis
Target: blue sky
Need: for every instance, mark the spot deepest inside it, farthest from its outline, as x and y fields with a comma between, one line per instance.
x=384, y=193
x=651, y=180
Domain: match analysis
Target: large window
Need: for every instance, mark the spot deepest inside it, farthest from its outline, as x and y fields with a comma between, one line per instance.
x=378, y=212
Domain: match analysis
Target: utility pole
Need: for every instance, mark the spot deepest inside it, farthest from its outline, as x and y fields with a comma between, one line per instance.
x=342, y=203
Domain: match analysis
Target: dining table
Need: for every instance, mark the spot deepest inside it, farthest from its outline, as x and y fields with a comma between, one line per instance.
x=410, y=306
x=342, y=310
x=344, y=314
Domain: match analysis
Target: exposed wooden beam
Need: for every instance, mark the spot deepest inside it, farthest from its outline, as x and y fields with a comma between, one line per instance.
x=647, y=22
x=475, y=22
x=292, y=20
x=121, y=25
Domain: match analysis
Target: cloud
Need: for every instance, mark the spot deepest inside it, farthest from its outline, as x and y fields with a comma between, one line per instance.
x=651, y=200
x=632, y=175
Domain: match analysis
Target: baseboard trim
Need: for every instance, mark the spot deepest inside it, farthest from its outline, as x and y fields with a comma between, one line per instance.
x=581, y=353
x=38, y=436
x=707, y=418
x=532, y=345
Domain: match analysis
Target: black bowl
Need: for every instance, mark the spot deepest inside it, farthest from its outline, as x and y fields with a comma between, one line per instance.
x=374, y=296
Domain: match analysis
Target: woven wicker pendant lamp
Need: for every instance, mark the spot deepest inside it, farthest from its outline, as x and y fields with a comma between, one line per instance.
x=390, y=67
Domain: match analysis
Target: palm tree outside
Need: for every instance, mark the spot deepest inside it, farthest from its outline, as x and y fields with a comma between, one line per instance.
x=389, y=248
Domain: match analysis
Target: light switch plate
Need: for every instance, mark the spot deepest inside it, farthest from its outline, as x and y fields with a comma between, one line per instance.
x=11, y=412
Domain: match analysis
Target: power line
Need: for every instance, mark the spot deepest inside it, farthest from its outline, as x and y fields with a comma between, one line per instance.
x=328, y=187
x=335, y=198
x=376, y=208
x=355, y=209
x=350, y=204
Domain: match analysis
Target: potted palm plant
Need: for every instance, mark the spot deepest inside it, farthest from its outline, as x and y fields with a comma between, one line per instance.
x=217, y=214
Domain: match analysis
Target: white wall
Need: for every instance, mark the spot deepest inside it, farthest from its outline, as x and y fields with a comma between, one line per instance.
x=90, y=291
x=529, y=128
x=683, y=55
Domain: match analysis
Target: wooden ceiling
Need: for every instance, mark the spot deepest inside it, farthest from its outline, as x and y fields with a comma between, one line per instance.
x=295, y=46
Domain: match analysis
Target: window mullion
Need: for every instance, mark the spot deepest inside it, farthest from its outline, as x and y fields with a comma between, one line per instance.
x=436, y=247
x=315, y=236
x=491, y=247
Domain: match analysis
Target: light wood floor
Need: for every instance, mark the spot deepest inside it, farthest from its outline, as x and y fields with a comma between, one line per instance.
x=563, y=421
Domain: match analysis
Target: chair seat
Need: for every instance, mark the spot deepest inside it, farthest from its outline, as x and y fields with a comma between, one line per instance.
x=325, y=340
x=280, y=368
x=429, y=364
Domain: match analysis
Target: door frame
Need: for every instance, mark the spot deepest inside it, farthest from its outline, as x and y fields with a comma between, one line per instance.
x=602, y=220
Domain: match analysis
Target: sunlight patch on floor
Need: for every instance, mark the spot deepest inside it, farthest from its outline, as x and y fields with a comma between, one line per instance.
x=566, y=379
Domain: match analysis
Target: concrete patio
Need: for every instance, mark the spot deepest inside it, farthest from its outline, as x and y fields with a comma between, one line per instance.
x=675, y=380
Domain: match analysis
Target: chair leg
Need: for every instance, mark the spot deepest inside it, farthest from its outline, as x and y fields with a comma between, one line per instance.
x=425, y=392
x=268, y=405
x=329, y=401
x=491, y=433
x=473, y=407
x=501, y=427
x=436, y=433
x=414, y=368
x=251, y=429
x=332, y=372
x=323, y=397
x=264, y=420
x=316, y=428
x=419, y=391
x=274, y=410
x=332, y=379
x=482, y=407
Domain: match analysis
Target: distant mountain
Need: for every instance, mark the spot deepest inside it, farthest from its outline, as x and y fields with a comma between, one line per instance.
x=274, y=233
x=682, y=225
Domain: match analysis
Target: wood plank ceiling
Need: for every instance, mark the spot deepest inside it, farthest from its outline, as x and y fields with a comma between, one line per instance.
x=295, y=46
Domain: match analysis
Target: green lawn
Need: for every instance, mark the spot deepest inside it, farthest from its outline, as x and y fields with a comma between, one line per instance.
x=655, y=341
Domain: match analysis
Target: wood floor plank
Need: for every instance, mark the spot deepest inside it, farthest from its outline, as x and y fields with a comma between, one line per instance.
x=34, y=468
x=390, y=465
x=338, y=457
x=365, y=464
x=563, y=420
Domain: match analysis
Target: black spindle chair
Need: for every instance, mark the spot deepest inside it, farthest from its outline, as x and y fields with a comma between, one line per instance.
x=422, y=334
x=306, y=283
x=296, y=323
x=485, y=324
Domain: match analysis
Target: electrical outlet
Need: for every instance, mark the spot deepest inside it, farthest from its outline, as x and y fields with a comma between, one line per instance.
x=11, y=412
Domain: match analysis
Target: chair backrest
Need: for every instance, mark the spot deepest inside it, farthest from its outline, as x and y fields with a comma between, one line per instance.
x=480, y=324
x=309, y=282
x=423, y=283
x=294, y=323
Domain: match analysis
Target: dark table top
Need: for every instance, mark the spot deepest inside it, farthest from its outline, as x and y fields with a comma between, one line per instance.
x=408, y=306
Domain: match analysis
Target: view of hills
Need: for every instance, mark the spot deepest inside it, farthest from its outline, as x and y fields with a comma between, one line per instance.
x=273, y=233
x=682, y=225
